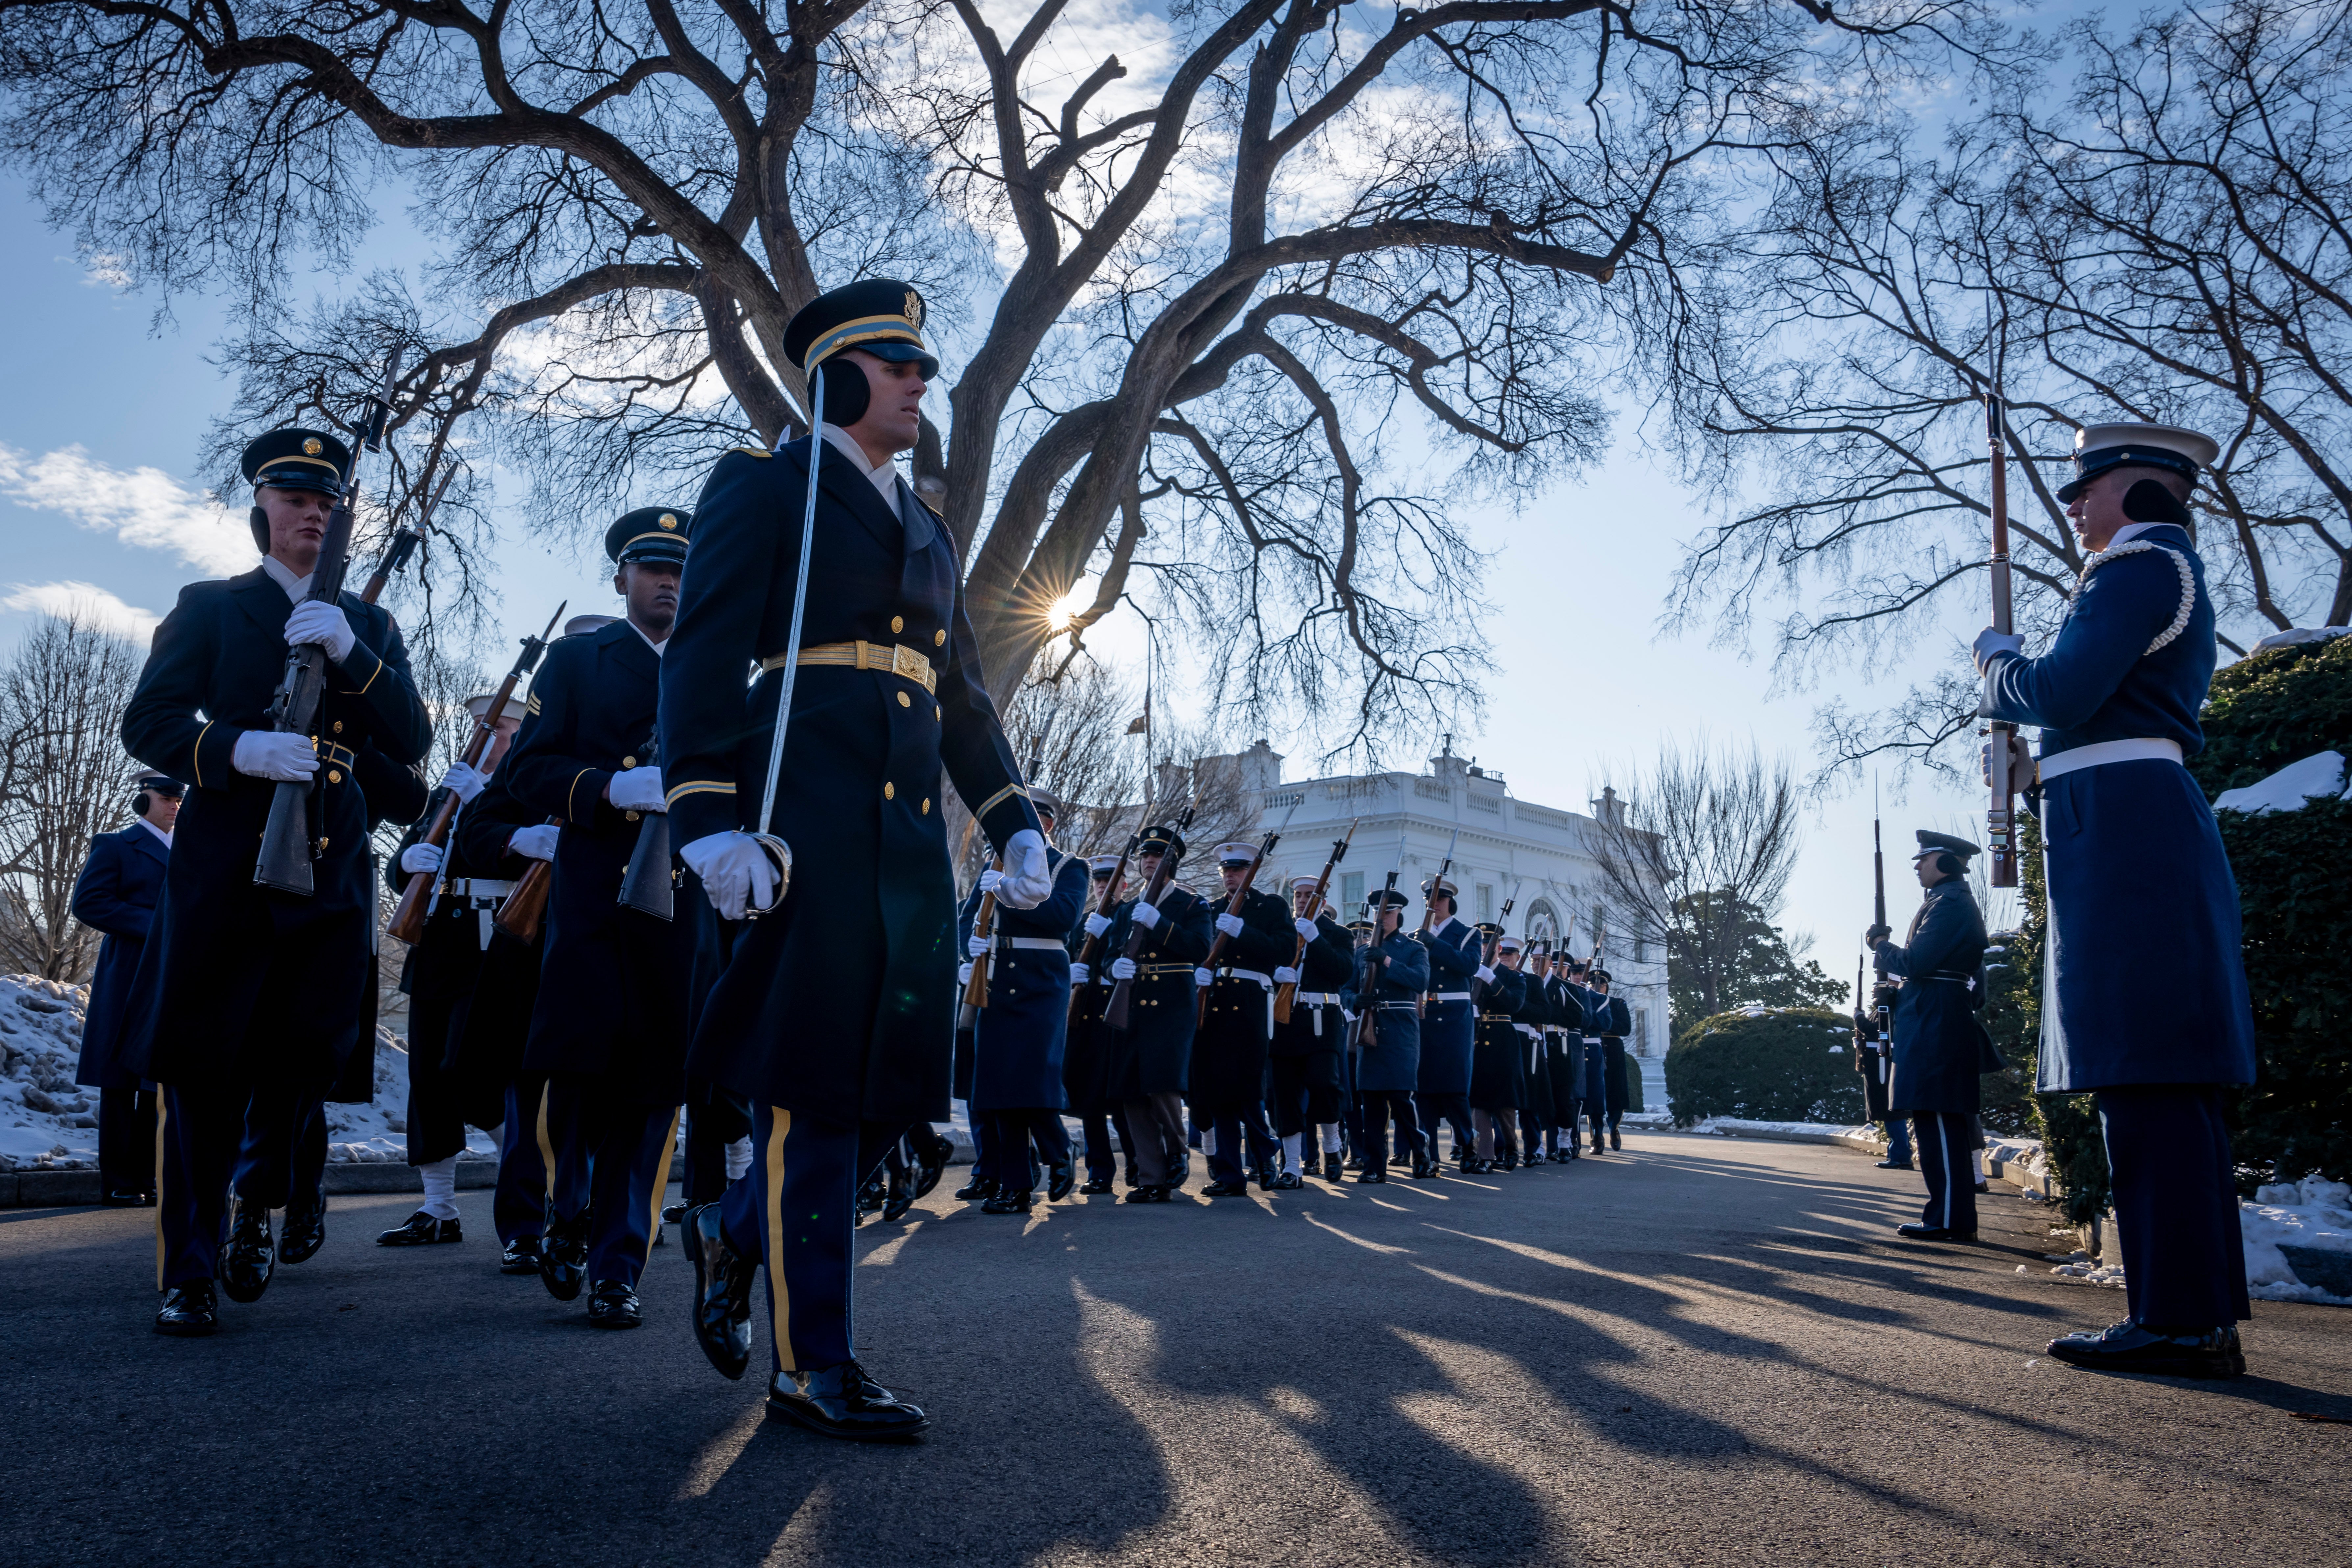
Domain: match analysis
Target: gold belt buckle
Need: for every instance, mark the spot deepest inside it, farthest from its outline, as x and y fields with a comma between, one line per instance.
x=905, y=661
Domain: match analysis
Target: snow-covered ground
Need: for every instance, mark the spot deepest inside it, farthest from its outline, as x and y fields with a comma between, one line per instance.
x=1732, y=1127
x=2319, y=776
x=2308, y=1213
x=47, y=1122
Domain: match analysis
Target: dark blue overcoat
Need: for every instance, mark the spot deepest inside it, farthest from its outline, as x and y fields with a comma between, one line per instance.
x=1325, y=968
x=1153, y=1055
x=1230, y=1048
x=1449, y=1029
x=2143, y=979
x=116, y=893
x=1019, y=1037
x=1393, y=1061
x=1941, y=1049
x=1493, y=1086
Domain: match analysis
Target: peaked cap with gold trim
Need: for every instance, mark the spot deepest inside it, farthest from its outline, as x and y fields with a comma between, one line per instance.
x=881, y=315
x=297, y=460
x=650, y=533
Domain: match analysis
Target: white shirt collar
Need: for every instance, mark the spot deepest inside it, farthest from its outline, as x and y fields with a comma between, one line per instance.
x=156, y=831
x=884, y=479
x=649, y=642
x=283, y=575
x=2130, y=531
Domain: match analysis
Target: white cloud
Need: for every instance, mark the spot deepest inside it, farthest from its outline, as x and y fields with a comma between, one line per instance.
x=107, y=269
x=85, y=602
x=145, y=506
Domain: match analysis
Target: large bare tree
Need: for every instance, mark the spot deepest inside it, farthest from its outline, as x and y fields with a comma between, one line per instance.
x=1241, y=312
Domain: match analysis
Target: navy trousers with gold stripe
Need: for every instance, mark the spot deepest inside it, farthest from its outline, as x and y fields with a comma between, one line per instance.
x=612, y=1158
x=796, y=1210
x=196, y=1136
x=526, y=1162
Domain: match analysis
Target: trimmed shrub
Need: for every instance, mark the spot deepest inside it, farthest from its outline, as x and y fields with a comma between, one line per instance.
x=2274, y=708
x=1765, y=1064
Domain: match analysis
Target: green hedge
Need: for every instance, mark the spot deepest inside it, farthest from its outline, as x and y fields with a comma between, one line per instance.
x=1780, y=1064
x=2275, y=708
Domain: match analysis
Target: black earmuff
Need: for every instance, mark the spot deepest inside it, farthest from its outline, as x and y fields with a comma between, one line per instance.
x=139, y=803
x=847, y=394
x=2149, y=502
x=1948, y=864
x=259, y=522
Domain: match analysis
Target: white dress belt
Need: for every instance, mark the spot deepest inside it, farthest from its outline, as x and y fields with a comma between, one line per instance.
x=477, y=888
x=1449, y=995
x=2101, y=751
x=1264, y=980
x=1317, y=998
x=1039, y=943
x=1529, y=1030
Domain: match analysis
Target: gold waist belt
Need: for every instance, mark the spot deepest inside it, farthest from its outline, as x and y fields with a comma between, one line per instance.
x=906, y=662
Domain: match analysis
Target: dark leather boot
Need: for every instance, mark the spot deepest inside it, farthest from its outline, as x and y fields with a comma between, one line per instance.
x=1095, y=1187
x=899, y=1195
x=843, y=1402
x=2130, y=1346
x=1061, y=1179
x=1334, y=1167
x=519, y=1255
x=302, y=1232
x=250, y=1258
x=564, y=1258
x=722, y=1291
x=1423, y=1167
x=932, y=1156
x=1009, y=1203
x=1616, y=1140
x=613, y=1304
x=189, y=1311
x=978, y=1190
x=420, y=1229
x=1227, y=1187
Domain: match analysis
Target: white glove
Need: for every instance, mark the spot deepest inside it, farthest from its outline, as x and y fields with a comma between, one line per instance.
x=1147, y=916
x=1122, y=968
x=1080, y=974
x=316, y=621
x=421, y=858
x=1308, y=930
x=1485, y=974
x=636, y=789
x=736, y=872
x=1203, y=978
x=2021, y=761
x=270, y=754
x=1286, y=976
x=978, y=945
x=1027, y=882
x=1230, y=925
x=1097, y=923
x=464, y=782
x=535, y=843
x=1990, y=643
x=989, y=878
x=963, y=974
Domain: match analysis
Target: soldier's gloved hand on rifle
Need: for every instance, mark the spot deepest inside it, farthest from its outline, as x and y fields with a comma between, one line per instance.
x=963, y=974
x=535, y=843
x=1485, y=974
x=1027, y=882
x=1081, y=975
x=419, y=858
x=316, y=621
x=463, y=782
x=267, y=754
x=990, y=881
x=1203, y=978
x=1147, y=915
x=1308, y=930
x=636, y=789
x=978, y=946
x=1875, y=935
x=1286, y=976
x=1230, y=925
x=2021, y=760
x=1992, y=645
x=1122, y=968
x=1097, y=923
x=736, y=872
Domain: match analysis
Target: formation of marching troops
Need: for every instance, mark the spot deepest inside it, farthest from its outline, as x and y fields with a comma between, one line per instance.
x=659, y=898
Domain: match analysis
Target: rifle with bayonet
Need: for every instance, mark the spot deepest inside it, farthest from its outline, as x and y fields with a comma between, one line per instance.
x=1286, y=993
x=1233, y=908
x=408, y=920
x=1494, y=949
x=1368, y=1033
x=2003, y=873
x=1429, y=910
x=1115, y=1012
x=291, y=840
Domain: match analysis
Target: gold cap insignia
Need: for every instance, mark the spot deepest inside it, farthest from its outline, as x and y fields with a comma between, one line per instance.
x=667, y=521
x=310, y=447
x=914, y=310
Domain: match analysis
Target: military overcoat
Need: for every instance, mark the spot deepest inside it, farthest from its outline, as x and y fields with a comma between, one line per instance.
x=1391, y=1063
x=1230, y=1051
x=116, y=893
x=1941, y=1049
x=1018, y=1038
x=1449, y=1025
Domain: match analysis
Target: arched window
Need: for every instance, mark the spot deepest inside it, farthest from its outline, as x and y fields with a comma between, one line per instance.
x=1543, y=922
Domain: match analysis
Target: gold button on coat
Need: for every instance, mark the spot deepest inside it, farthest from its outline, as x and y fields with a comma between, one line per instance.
x=889, y=791
x=927, y=805
x=339, y=726
x=897, y=623
x=334, y=775
x=628, y=761
x=630, y=815
x=939, y=639
x=903, y=702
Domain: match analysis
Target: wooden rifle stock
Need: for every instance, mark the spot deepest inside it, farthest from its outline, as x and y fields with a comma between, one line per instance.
x=1368, y=1033
x=983, y=924
x=526, y=907
x=1288, y=992
x=1493, y=951
x=408, y=920
x=1998, y=824
x=1429, y=911
x=1233, y=907
x=1122, y=992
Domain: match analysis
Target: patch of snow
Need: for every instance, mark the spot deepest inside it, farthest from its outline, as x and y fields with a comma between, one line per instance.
x=2107, y=1275
x=1732, y=1127
x=2294, y=635
x=377, y=1131
x=2318, y=776
x=2313, y=1214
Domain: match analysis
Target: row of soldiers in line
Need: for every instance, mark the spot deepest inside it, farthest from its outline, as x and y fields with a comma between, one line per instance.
x=1297, y=1053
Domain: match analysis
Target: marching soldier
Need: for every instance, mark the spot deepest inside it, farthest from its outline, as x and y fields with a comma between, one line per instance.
x=2139, y=885
x=1019, y=1037
x=116, y=895
x=246, y=992
x=1457, y=956
x=1151, y=1058
x=1615, y=1020
x=1497, y=1045
x=1559, y=1091
x=1592, y=1093
x=1303, y=1054
x=1529, y=1098
x=1229, y=1053
x=1391, y=971
x=835, y=1015
x=1940, y=1048
x=438, y=978
x=1086, y=1065
x=617, y=984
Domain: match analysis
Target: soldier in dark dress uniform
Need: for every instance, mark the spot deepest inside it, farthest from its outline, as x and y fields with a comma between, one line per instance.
x=438, y=978
x=1151, y=1058
x=618, y=985
x=835, y=1015
x=1302, y=1068
x=1940, y=1048
x=2139, y=885
x=1086, y=1063
x=1497, y=1043
x=1229, y=1053
x=1457, y=956
x=1391, y=971
x=245, y=992
x=116, y=895
x=1019, y=1037
x=1519, y=1137
x=1614, y=1021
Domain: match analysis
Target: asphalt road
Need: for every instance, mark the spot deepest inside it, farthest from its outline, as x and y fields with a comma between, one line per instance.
x=1701, y=1351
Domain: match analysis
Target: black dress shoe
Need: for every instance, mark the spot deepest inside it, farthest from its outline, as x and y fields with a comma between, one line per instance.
x=420, y=1229
x=1061, y=1180
x=1933, y=1233
x=250, y=1258
x=1334, y=1167
x=1982, y=1187
x=189, y=1311
x=1596, y=1140
x=1373, y=1175
x=1423, y=1167
x=564, y=1258
x=1148, y=1194
x=978, y=1190
x=613, y=1305
x=1235, y=1188
x=843, y=1402
x=722, y=1291
x=930, y=1161
x=127, y=1200
x=872, y=1196
x=1096, y=1186
x=1895, y=1164
x=1180, y=1175
x=900, y=1196
x=1008, y=1202
x=302, y=1232
x=1287, y=1182
x=1615, y=1140
x=673, y=1213
x=2129, y=1346
x=519, y=1255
